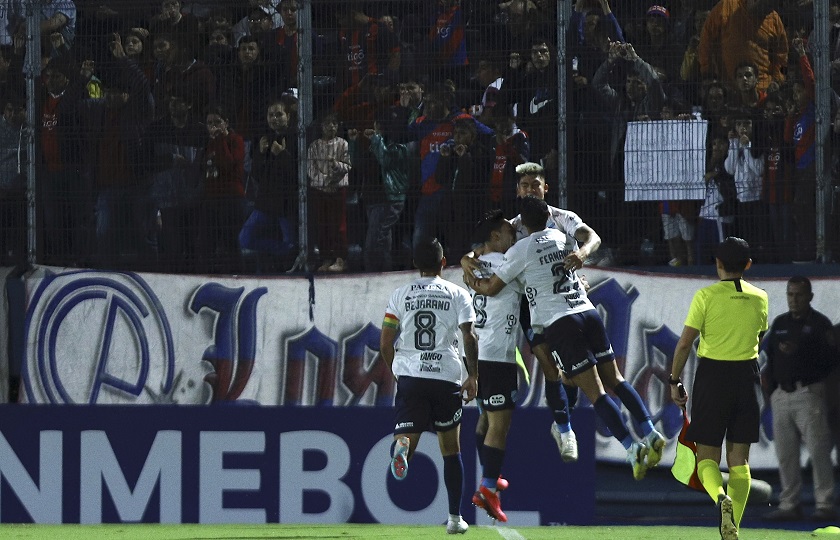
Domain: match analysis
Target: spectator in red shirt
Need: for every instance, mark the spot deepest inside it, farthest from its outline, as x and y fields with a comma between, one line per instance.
x=221, y=215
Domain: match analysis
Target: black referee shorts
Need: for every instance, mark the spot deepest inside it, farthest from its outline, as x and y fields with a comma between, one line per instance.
x=724, y=403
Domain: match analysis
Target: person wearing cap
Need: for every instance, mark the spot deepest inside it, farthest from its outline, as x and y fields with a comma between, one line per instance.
x=730, y=317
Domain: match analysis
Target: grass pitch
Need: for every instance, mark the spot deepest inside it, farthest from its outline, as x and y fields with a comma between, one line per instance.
x=352, y=531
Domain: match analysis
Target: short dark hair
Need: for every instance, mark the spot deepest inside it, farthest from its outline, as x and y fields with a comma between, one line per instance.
x=802, y=280
x=733, y=253
x=534, y=212
x=491, y=221
x=428, y=254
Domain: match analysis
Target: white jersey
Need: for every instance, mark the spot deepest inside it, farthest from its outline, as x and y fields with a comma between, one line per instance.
x=563, y=220
x=430, y=311
x=552, y=291
x=497, y=317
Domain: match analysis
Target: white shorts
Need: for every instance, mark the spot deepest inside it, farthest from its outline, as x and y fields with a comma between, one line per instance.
x=677, y=226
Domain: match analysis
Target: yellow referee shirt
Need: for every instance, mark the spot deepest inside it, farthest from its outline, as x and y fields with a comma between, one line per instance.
x=730, y=315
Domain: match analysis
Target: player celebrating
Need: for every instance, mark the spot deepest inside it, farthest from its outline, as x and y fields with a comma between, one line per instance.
x=497, y=327
x=426, y=315
x=546, y=262
x=559, y=397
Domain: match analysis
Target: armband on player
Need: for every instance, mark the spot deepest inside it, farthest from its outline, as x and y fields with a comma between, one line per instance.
x=672, y=381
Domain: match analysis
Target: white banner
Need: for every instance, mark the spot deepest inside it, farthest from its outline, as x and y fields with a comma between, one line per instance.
x=665, y=160
x=106, y=337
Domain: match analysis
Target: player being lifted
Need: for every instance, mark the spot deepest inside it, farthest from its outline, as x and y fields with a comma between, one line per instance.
x=419, y=342
x=546, y=262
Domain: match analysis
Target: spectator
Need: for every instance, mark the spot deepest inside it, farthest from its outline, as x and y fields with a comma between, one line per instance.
x=490, y=78
x=800, y=131
x=745, y=162
x=171, y=20
x=717, y=214
x=365, y=47
x=641, y=100
x=329, y=165
x=385, y=202
x=222, y=207
x=177, y=71
x=263, y=18
x=716, y=109
x=536, y=105
x=270, y=230
x=244, y=88
x=444, y=50
x=801, y=354
x=741, y=30
x=747, y=95
x=411, y=100
x=466, y=166
x=119, y=121
x=690, y=67
x=432, y=131
x=512, y=149
x=261, y=31
x=12, y=182
x=659, y=48
x=678, y=230
x=58, y=22
x=137, y=48
x=287, y=41
x=777, y=191
x=174, y=149
x=65, y=194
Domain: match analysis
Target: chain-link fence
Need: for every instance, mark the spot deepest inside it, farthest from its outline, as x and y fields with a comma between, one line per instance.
x=259, y=137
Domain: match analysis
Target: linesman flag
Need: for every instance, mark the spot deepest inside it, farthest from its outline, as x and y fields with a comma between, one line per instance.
x=684, y=468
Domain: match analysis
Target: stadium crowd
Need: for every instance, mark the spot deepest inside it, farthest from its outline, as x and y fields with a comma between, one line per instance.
x=167, y=135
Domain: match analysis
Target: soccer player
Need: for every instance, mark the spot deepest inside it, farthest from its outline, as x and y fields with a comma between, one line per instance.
x=497, y=327
x=546, y=263
x=730, y=317
x=426, y=315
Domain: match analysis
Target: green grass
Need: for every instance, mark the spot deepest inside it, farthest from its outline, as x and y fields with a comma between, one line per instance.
x=347, y=531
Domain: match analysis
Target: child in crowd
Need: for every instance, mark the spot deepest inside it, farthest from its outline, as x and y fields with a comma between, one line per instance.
x=386, y=203
x=329, y=165
x=745, y=161
x=717, y=214
x=270, y=229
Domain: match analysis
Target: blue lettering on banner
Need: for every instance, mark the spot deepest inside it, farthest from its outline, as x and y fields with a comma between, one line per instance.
x=172, y=464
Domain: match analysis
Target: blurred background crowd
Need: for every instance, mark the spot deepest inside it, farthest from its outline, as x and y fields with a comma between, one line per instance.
x=272, y=135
